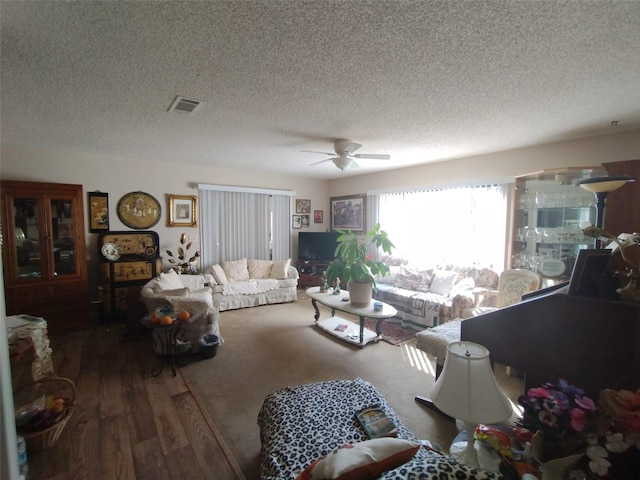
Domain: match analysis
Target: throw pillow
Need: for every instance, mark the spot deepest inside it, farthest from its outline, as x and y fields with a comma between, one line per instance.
x=464, y=285
x=442, y=282
x=411, y=279
x=169, y=281
x=259, y=268
x=363, y=460
x=236, y=270
x=219, y=275
x=279, y=269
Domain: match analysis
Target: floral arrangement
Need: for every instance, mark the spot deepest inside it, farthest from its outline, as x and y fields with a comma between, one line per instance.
x=570, y=422
x=183, y=263
x=562, y=414
x=621, y=408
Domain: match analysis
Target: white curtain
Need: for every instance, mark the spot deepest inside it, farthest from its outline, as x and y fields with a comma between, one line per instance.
x=236, y=224
x=453, y=226
x=281, y=236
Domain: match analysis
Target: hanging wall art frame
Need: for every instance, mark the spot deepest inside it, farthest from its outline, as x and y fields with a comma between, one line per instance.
x=183, y=211
x=98, y=211
x=139, y=210
x=349, y=213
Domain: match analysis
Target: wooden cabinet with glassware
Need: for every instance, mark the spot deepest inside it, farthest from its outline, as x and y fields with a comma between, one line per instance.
x=45, y=264
x=549, y=212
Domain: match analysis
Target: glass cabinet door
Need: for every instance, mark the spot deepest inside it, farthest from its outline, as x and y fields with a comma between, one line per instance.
x=27, y=215
x=549, y=214
x=62, y=237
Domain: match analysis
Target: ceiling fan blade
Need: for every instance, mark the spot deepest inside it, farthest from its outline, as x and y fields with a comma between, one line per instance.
x=347, y=146
x=322, y=161
x=373, y=156
x=314, y=151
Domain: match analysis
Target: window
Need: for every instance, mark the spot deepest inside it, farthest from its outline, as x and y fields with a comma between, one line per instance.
x=449, y=226
x=239, y=222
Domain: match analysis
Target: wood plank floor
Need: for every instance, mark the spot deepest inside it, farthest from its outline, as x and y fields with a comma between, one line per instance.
x=128, y=424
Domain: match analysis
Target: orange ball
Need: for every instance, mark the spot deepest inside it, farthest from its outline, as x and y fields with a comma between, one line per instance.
x=183, y=316
x=166, y=320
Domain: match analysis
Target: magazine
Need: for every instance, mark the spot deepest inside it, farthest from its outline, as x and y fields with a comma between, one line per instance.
x=341, y=327
x=375, y=422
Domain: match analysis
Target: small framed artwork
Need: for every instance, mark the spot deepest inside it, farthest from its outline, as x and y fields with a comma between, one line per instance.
x=303, y=206
x=349, y=213
x=183, y=211
x=318, y=216
x=296, y=221
x=98, y=212
x=588, y=274
x=305, y=221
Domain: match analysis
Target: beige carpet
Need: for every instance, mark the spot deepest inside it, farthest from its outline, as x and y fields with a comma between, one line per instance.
x=270, y=347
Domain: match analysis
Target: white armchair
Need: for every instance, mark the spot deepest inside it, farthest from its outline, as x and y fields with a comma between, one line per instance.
x=513, y=284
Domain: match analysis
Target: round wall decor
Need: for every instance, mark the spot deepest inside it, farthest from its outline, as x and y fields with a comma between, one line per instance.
x=139, y=210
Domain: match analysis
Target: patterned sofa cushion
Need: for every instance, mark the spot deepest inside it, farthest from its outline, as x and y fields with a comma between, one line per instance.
x=300, y=424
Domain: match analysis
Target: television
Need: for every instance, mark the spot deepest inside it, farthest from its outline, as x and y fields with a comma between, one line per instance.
x=317, y=246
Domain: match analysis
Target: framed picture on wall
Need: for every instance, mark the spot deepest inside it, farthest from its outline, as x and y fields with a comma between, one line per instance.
x=303, y=206
x=296, y=221
x=98, y=211
x=183, y=211
x=318, y=216
x=349, y=213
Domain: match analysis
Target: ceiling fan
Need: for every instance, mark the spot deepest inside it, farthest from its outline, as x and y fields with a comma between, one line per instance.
x=344, y=158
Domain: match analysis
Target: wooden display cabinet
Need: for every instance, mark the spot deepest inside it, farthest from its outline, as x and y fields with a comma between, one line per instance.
x=44, y=254
x=128, y=261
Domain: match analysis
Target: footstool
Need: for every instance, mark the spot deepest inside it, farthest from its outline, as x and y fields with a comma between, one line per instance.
x=434, y=341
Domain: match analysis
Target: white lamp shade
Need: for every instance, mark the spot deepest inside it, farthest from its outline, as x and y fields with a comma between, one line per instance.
x=604, y=184
x=466, y=389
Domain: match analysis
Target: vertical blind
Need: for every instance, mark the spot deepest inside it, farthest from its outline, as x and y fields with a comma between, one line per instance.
x=450, y=226
x=237, y=224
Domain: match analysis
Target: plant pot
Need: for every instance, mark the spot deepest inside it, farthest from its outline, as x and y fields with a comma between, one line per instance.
x=360, y=294
x=556, y=468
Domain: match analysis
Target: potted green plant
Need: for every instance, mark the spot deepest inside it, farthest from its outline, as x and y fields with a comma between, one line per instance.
x=354, y=267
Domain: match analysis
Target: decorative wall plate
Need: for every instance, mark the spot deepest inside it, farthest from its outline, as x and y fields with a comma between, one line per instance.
x=552, y=267
x=139, y=210
x=110, y=251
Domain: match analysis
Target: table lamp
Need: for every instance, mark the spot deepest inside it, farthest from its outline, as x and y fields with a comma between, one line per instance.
x=467, y=390
x=601, y=187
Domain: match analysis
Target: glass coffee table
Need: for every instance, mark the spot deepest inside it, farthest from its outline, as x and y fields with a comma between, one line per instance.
x=345, y=329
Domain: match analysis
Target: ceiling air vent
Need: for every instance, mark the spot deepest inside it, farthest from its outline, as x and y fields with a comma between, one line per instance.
x=185, y=106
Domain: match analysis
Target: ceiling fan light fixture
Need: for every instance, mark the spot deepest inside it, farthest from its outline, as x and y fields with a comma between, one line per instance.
x=342, y=162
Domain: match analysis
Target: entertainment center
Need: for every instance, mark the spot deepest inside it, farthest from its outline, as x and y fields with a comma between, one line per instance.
x=316, y=250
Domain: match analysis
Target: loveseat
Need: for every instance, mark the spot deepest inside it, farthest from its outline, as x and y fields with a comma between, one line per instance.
x=426, y=297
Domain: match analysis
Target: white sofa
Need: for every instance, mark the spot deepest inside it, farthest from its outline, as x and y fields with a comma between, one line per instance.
x=231, y=285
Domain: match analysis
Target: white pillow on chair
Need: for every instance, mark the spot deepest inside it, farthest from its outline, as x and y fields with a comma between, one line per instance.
x=169, y=281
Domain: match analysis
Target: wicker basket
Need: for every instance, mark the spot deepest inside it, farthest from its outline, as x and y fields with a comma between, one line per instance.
x=41, y=439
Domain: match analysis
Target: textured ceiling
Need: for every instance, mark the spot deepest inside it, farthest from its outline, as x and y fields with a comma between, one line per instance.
x=421, y=81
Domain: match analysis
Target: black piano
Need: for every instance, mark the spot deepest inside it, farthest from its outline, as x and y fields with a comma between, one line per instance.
x=592, y=343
